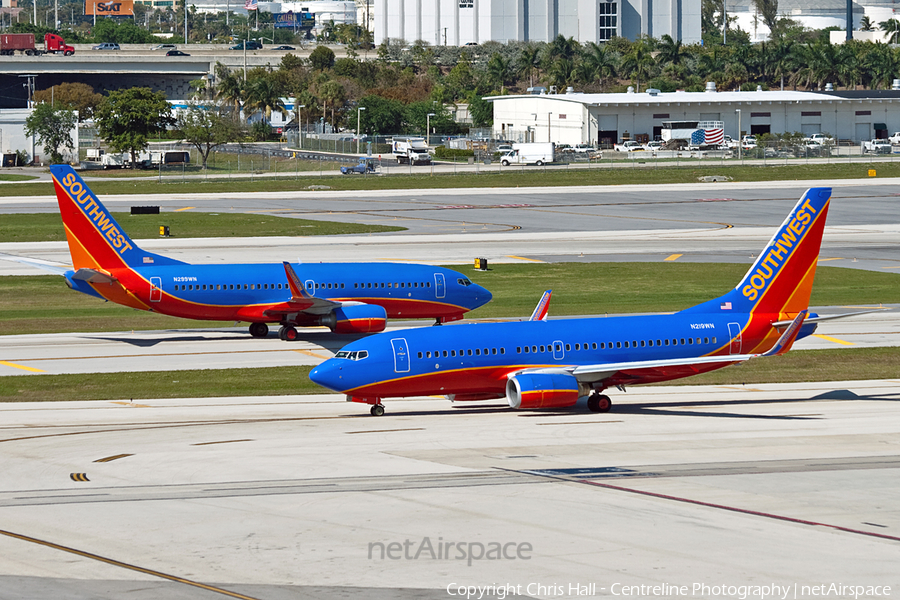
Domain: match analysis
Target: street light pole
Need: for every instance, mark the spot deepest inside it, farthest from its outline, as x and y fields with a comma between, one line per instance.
x=740, y=141
x=428, y=128
x=359, y=110
x=300, y=129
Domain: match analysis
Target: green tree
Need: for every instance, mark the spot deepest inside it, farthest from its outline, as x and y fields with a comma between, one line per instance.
x=127, y=118
x=638, y=63
x=206, y=129
x=381, y=115
x=79, y=97
x=263, y=95
x=892, y=28
x=866, y=24
x=53, y=127
x=321, y=58
x=481, y=110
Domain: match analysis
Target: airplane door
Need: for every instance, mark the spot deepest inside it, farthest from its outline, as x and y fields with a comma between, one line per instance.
x=440, y=288
x=558, y=353
x=310, y=287
x=734, y=332
x=401, y=355
x=155, y=289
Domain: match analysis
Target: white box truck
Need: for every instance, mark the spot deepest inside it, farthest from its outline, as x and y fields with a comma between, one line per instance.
x=534, y=153
x=411, y=150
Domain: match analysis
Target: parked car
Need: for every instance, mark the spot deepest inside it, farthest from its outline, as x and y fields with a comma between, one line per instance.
x=504, y=148
x=821, y=138
x=630, y=146
x=365, y=165
x=176, y=53
x=895, y=138
x=251, y=45
x=107, y=46
x=164, y=47
x=284, y=48
x=653, y=146
x=583, y=149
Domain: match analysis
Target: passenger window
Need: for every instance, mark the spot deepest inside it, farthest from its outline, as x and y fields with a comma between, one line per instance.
x=444, y=354
x=626, y=344
x=569, y=347
x=659, y=342
x=577, y=346
x=643, y=344
x=428, y=354
x=526, y=349
x=416, y=285
x=382, y=284
x=493, y=351
x=342, y=286
x=542, y=347
x=355, y=286
x=190, y=287
x=714, y=340
x=428, y=284
x=667, y=342
x=518, y=349
x=453, y=353
x=420, y=355
x=706, y=340
x=618, y=344
x=469, y=352
x=682, y=341
x=534, y=348
x=477, y=351
x=502, y=350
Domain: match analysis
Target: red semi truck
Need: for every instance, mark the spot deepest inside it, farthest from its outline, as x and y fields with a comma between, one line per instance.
x=10, y=43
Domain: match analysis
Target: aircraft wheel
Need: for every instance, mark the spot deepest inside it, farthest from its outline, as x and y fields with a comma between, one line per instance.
x=290, y=334
x=377, y=410
x=259, y=330
x=599, y=403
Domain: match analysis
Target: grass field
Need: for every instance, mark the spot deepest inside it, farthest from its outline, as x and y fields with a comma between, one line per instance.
x=43, y=303
x=809, y=365
x=509, y=177
x=40, y=227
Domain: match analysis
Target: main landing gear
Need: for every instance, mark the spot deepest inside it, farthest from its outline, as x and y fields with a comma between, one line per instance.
x=259, y=330
x=599, y=403
x=287, y=333
x=377, y=410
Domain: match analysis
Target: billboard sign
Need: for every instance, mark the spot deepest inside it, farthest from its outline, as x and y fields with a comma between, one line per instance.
x=292, y=20
x=109, y=8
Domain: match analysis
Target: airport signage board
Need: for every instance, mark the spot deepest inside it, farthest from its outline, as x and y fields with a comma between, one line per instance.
x=292, y=20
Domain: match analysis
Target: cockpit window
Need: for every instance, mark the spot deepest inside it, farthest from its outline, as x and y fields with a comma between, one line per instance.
x=464, y=281
x=358, y=355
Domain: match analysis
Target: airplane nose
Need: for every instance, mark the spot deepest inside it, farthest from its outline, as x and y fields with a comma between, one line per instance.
x=328, y=374
x=482, y=295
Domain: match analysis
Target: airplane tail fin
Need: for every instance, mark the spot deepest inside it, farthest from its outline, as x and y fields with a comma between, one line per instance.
x=781, y=279
x=542, y=308
x=96, y=240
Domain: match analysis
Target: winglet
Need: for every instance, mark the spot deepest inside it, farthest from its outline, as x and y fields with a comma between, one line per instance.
x=298, y=292
x=787, y=338
x=542, y=308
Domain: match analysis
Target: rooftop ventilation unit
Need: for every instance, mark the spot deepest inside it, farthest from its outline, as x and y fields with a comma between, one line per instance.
x=653, y=91
x=711, y=86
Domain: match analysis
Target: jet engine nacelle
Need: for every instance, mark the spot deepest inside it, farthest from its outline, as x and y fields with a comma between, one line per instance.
x=543, y=390
x=361, y=318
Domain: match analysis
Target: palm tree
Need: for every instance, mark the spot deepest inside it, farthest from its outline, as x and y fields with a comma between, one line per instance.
x=670, y=51
x=866, y=24
x=881, y=62
x=561, y=72
x=263, y=95
x=528, y=60
x=498, y=70
x=892, y=28
x=638, y=62
x=230, y=90
x=601, y=61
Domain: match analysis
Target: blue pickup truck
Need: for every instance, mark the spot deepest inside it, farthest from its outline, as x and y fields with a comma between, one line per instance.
x=365, y=165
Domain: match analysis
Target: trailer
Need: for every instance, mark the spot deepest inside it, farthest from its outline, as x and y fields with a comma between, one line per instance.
x=695, y=135
x=533, y=153
x=10, y=43
x=412, y=150
x=151, y=160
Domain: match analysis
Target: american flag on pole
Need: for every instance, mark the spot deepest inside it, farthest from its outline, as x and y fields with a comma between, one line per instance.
x=251, y=4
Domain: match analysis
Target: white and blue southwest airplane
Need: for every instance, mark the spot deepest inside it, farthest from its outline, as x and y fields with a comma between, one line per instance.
x=347, y=297
x=551, y=364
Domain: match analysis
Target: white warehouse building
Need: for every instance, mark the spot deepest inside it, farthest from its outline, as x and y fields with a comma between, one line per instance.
x=603, y=119
x=460, y=22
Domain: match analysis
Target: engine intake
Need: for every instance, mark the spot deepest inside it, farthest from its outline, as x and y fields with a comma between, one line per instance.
x=544, y=390
x=363, y=318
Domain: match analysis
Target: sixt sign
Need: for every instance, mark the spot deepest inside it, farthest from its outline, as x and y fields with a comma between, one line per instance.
x=102, y=221
x=109, y=8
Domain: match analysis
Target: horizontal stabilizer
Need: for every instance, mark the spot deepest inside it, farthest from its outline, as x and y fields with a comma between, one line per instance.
x=787, y=338
x=820, y=318
x=93, y=276
x=44, y=265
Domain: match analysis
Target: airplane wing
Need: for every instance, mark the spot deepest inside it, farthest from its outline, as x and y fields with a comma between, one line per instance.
x=648, y=371
x=301, y=300
x=45, y=265
x=542, y=308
